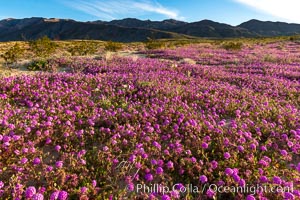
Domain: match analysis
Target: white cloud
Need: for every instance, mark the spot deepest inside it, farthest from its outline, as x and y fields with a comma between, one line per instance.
x=111, y=9
x=4, y=17
x=285, y=9
x=156, y=8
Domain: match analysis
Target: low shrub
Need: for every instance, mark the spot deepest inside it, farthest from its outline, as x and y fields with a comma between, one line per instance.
x=42, y=47
x=83, y=48
x=233, y=46
x=13, y=54
x=152, y=44
x=43, y=65
x=113, y=46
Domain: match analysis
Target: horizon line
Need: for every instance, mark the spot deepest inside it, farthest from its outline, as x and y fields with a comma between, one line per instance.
x=205, y=19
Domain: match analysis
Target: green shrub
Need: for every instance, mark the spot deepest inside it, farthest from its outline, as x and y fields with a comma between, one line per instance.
x=180, y=43
x=83, y=48
x=13, y=54
x=42, y=47
x=152, y=44
x=37, y=65
x=43, y=65
x=113, y=46
x=233, y=46
x=294, y=38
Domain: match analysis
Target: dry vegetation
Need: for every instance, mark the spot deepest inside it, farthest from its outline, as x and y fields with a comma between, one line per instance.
x=38, y=52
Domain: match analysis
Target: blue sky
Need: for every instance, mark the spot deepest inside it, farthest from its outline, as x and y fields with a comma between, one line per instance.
x=228, y=11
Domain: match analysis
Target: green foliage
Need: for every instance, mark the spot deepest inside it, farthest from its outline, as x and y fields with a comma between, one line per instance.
x=83, y=48
x=294, y=38
x=152, y=44
x=113, y=46
x=13, y=54
x=233, y=46
x=155, y=44
x=42, y=65
x=181, y=43
x=37, y=65
x=42, y=47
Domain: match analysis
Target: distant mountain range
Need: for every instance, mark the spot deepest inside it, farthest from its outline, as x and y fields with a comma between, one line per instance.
x=130, y=29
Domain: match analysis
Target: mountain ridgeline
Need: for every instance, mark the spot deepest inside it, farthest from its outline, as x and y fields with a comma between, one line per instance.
x=135, y=30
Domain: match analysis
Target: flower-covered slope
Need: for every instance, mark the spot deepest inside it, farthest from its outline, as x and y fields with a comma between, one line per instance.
x=232, y=119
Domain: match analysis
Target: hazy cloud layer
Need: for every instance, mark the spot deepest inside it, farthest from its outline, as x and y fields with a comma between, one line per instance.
x=285, y=9
x=112, y=9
